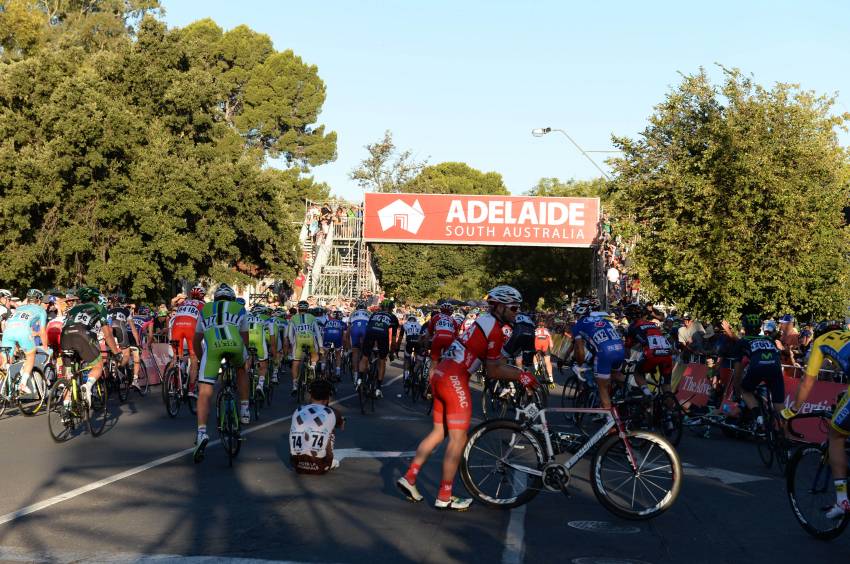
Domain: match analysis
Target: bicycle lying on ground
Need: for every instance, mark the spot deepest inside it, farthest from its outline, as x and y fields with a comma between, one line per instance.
x=634, y=474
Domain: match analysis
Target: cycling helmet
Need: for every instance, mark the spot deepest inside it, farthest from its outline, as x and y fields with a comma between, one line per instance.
x=827, y=326
x=769, y=326
x=101, y=299
x=336, y=314
x=144, y=310
x=303, y=306
x=197, y=293
x=87, y=294
x=388, y=304
x=582, y=308
x=412, y=317
x=224, y=292
x=34, y=294
x=504, y=295
x=5, y=294
x=360, y=305
x=633, y=311
x=447, y=308
x=751, y=322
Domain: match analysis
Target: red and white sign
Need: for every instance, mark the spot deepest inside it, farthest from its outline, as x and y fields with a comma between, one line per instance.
x=480, y=220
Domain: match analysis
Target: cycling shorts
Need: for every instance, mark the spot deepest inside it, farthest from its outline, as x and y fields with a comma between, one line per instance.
x=841, y=419
x=182, y=332
x=664, y=364
x=358, y=332
x=608, y=360
x=412, y=346
x=54, y=333
x=335, y=340
x=218, y=349
x=380, y=339
x=302, y=340
x=119, y=333
x=256, y=339
x=452, y=398
x=79, y=339
x=440, y=343
x=770, y=375
x=20, y=335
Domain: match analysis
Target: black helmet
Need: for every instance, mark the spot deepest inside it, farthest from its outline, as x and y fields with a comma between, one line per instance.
x=827, y=326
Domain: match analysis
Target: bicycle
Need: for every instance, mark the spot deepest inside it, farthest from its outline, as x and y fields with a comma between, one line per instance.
x=115, y=376
x=28, y=403
x=62, y=419
x=659, y=412
x=770, y=437
x=809, y=484
x=501, y=396
x=367, y=388
x=256, y=397
x=306, y=374
x=141, y=382
x=227, y=413
x=346, y=368
x=579, y=392
x=175, y=386
x=634, y=474
x=413, y=366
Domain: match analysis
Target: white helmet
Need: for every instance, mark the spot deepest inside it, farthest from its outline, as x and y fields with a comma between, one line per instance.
x=504, y=295
x=225, y=292
x=5, y=294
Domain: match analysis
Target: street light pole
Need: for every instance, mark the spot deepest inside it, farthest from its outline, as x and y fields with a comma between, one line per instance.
x=541, y=131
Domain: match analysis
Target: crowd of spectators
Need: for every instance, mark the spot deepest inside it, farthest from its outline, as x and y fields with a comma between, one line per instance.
x=613, y=250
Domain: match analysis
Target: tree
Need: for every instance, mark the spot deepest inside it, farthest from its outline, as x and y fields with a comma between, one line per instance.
x=386, y=169
x=144, y=161
x=737, y=192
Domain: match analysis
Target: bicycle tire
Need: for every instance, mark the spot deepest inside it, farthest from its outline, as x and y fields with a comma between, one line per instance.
x=764, y=445
x=97, y=412
x=228, y=427
x=172, y=392
x=4, y=396
x=676, y=415
x=603, y=464
x=373, y=385
x=143, y=382
x=492, y=405
x=123, y=383
x=504, y=435
x=59, y=431
x=38, y=385
x=811, y=495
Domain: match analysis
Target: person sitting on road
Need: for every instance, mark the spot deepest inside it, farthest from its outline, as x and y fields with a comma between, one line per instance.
x=311, y=435
x=452, y=410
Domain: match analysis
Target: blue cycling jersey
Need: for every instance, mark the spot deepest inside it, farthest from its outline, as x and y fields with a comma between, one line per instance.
x=599, y=335
x=29, y=316
x=333, y=330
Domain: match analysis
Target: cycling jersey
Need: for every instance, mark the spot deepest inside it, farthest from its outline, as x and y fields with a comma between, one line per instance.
x=117, y=318
x=142, y=323
x=656, y=351
x=412, y=330
x=603, y=340
x=182, y=324
x=483, y=340
x=359, y=320
x=443, y=329
x=542, y=340
x=27, y=319
x=332, y=333
x=304, y=331
x=835, y=345
x=221, y=322
x=54, y=330
x=378, y=332
x=521, y=338
x=311, y=439
x=257, y=335
x=764, y=365
x=83, y=323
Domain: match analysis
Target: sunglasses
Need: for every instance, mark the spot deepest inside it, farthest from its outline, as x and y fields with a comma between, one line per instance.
x=514, y=308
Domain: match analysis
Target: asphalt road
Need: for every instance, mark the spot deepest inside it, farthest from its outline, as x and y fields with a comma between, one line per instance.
x=134, y=494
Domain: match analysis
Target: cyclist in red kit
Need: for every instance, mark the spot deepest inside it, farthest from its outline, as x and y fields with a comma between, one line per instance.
x=481, y=342
x=442, y=330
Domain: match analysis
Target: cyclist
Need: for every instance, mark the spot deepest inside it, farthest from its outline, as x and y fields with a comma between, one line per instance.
x=656, y=352
x=143, y=320
x=442, y=330
x=411, y=331
x=28, y=321
x=118, y=317
x=281, y=327
x=482, y=342
x=258, y=333
x=83, y=323
x=183, y=327
x=221, y=331
x=543, y=345
x=381, y=332
x=304, y=332
x=833, y=341
x=5, y=308
x=358, y=321
x=311, y=435
x=333, y=334
x=596, y=339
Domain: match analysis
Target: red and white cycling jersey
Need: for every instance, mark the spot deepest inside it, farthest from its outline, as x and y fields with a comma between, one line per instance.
x=443, y=325
x=483, y=340
x=188, y=313
x=649, y=337
x=542, y=339
x=467, y=323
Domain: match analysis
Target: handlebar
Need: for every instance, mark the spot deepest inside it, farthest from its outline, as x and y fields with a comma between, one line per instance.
x=816, y=414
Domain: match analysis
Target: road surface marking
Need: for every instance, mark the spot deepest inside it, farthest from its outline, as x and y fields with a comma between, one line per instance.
x=18, y=513
x=514, y=552
x=728, y=477
x=15, y=554
x=343, y=453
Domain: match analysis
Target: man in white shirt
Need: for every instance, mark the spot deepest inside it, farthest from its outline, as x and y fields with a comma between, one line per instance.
x=311, y=435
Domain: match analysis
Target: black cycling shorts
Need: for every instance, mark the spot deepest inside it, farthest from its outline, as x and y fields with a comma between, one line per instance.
x=770, y=375
x=412, y=346
x=120, y=335
x=80, y=340
x=380, y=339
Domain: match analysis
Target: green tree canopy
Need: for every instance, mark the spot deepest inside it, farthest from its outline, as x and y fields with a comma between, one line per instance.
x=144, y=160
x=737, y=191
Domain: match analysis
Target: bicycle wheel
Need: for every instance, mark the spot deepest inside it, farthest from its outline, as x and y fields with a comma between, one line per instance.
x=228, y=424
x=31, y=403
x=672, y=418
x=123, y=381
x=57, y=421
x=5, y=400
x=497, y=463
x=98, y=411
x=642, y=494
x=586, y=422
x=811, y=492
x=493, y=405
x=172, y=392
x=142, y=382
x=764, y=442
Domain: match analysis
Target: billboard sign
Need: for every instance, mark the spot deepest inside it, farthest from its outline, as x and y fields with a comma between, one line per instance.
x=480, y=220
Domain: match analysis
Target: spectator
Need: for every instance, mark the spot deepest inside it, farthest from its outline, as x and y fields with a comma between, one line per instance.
x=312, y=433
x=691, y=337
x=299, y=282
x=789, y=338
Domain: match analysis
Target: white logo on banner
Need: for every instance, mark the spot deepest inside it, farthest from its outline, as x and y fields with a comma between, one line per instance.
x=403, y=215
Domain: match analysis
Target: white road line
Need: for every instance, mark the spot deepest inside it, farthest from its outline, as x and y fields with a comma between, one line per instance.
x=15, y=554
x=728, y=477
x=514, y=552
x=17, y=514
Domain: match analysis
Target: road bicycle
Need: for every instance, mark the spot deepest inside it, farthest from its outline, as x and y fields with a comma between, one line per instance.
x=227, y=412
x=504, y=398
x=810, y=485
x=367, y=388
x=175, y=386
x=142, y=384
x=28, y=402
x=634, y=474
x=659, y=412
x=580, y=391
x=256, y=396
x=306, y=375
x=63, y=418
x=116, y=376
x=346, y=369
x=416, y=383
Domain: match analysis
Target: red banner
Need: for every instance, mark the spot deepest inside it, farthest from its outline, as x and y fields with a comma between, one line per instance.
x=822, y=397
x=694, y=387
x=480, y=220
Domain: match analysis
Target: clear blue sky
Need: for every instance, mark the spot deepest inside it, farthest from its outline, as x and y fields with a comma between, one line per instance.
x=467, y=81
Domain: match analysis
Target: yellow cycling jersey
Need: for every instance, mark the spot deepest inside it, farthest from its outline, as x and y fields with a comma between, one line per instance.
x=836, y=345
